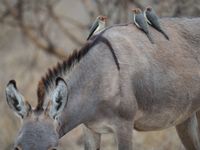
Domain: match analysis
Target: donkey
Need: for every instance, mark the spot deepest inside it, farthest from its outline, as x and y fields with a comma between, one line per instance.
x=117, y=82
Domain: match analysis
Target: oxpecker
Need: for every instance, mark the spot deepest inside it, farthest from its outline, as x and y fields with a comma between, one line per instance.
x=153, y=20
x=141, y=23
x=98, y=26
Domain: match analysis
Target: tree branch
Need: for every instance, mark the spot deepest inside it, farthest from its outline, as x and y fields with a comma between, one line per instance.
x=47, y=46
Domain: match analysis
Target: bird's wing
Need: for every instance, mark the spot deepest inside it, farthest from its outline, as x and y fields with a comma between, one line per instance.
x=153, y=18
x=134, y=16
x=140, y=19
x=93, y=28
x=146, y=17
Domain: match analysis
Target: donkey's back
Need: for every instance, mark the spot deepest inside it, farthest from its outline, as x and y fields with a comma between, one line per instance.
x=165, y=76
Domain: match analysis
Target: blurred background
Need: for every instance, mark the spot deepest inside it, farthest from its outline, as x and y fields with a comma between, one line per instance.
x=36, y=34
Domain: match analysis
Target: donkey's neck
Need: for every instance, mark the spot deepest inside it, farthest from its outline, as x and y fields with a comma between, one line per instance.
x=47, y=83
x=88, y=81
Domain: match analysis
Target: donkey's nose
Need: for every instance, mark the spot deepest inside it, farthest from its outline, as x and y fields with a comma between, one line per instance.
x=53, y=148
x=17, y=148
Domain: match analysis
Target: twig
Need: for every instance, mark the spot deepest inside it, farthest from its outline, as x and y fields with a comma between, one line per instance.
x=48, y=47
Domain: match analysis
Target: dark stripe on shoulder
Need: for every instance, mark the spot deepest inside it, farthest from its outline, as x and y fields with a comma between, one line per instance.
x=107, y=42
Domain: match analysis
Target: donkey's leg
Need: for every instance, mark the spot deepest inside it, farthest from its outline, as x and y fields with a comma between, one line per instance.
x=124, y=135
x=198, y=119
x=92, y=140
x=126, y=113
x=188, y=132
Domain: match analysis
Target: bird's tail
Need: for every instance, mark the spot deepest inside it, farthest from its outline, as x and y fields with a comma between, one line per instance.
x=165, y=35
x=88, y=38
x=150, y=38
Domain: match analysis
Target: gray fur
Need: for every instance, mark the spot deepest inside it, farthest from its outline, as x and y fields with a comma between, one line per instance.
x=37, y=135
x=157, y=87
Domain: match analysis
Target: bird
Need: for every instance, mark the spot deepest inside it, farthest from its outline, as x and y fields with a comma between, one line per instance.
x=141, y=23
x=98, y=26
x=153, y=20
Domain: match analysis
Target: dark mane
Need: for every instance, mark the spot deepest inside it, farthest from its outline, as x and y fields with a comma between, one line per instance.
x=47, y=80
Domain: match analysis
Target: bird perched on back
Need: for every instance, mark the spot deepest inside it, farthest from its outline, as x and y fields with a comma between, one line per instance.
x=98, y=26
x=141, y=23
x=153, y=20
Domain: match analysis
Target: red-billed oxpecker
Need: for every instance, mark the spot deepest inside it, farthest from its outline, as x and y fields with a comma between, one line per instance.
x=153, y=20
x=98, y=26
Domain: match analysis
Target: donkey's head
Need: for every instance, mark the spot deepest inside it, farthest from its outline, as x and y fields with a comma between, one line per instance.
x=39, y=126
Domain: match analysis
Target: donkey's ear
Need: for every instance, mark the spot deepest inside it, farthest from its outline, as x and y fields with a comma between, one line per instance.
x=16, y=101
x=58, y=98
